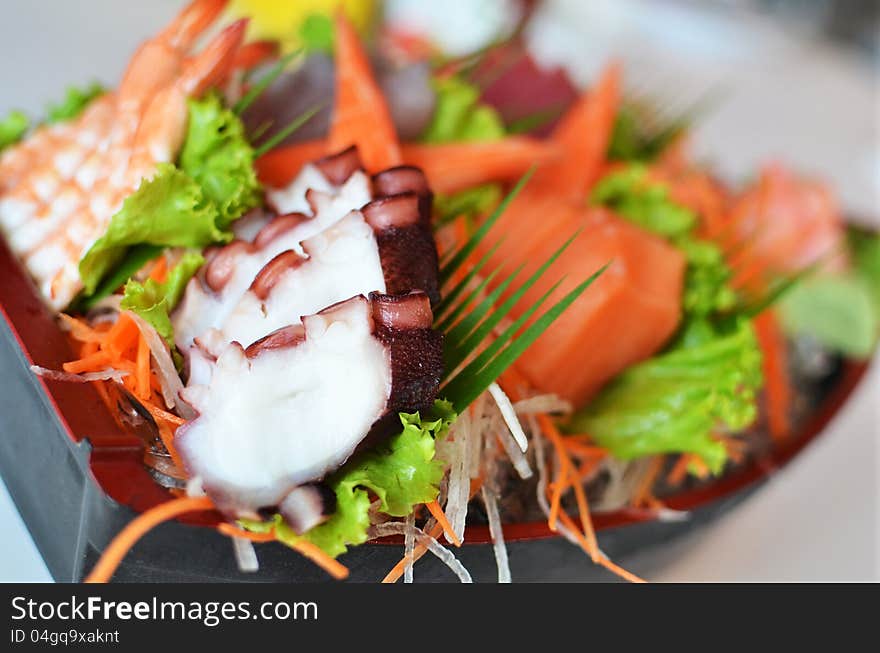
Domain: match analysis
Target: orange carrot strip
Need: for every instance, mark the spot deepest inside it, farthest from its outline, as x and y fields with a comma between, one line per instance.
x=143, y=369
x=159, y=271
x=582, y=450
x=280, y=165
x=586, y=519
x=233, y=531
x=565, y=469
x=121, y=337
x=159, y=413
x=324, y=561
x=440, y=516
x=679, y=470
x=166, y=434
x=137, y=528
x=583, y=134
x=91, y=363
x=360, y=115
x=777, y=392
x=79, y=330
x=452, y=167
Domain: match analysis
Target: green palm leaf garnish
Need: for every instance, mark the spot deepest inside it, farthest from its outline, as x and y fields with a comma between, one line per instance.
x=468, y=318
x=257, y=89
x=461, y=255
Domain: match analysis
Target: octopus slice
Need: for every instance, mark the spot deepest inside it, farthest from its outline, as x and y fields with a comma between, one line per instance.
x=295, y=405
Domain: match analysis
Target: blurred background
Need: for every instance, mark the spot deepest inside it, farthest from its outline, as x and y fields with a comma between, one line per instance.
x=795, y=80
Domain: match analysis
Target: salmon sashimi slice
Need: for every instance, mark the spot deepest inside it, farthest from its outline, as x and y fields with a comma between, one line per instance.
x=629, y=313
x=626, y=316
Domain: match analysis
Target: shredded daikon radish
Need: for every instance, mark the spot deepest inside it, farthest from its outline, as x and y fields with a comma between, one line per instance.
x=245, y=555
x=509, y=415
x=169, y=380
x=409, y=545
x=623, y=479
x=511, y=448
x=444, y=554
x=109, y=374
x=459, y=485
x=497, y=533
x=548, y=403
x=475, y=438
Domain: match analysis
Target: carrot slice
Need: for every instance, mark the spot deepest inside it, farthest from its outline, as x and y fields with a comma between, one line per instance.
x=91, y=363
x=440, y=516
x=360, y=115
x=452, y=167
x=777, y=391
x=324, y=561
x=280, y=165
x=137, y=528
x=233, y=531
x=583, y=135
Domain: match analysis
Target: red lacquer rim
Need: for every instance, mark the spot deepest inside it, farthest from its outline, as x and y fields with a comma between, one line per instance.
x=116, y=458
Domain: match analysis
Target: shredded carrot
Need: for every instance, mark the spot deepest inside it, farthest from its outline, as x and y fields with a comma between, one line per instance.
x=137, y=528
x=91, y=363
x=581, y=450
x=440, y=516
x=166, y=434
x=143, y=369
x=161, y=414
x=397, y=571
x=122, y=336
x=777, y=392
x=159, y=271
x=233, y=531
x=679, y=470
x=584, y=513
x=565, y=468
x=620, y=571
x=79, y=329
x=324, y=561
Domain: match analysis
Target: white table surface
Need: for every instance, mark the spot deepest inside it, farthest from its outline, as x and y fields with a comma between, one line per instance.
x=816, y=520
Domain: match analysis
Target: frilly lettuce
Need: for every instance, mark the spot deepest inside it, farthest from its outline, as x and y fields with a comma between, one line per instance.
x=74, y=102
x=153, y=301
x=402, y=472
x=169, y=210
x=12, y=128
x=187, y=206
x=674, y=401
x=460, y=116
x=217, y=155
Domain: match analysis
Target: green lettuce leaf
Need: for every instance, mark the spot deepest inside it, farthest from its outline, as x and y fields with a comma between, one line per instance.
x=13, y=128
x=316, y=33
x=865, y=249
x=168, y=210
x=672, y=403
x=402, y=472
x=188, y=206
x=629, y=193
x=460, y=116
x=217, y=155
x=74, y=102
x=154, y=301
x=837, y=310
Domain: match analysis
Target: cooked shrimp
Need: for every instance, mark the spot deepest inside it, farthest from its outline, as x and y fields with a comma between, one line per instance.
x=61, y=186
